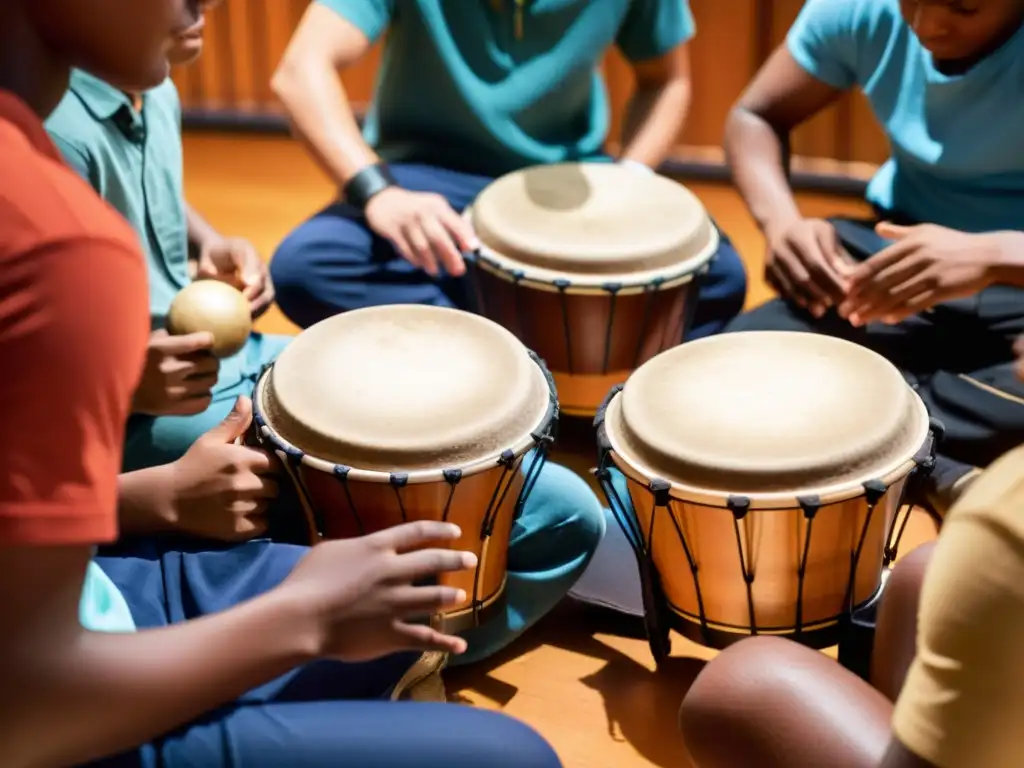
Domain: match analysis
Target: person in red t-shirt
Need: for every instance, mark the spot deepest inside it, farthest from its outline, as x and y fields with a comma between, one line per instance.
x=77, y=683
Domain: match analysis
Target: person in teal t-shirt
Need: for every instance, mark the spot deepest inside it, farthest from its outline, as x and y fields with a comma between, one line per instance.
x=466, y=91
x=128, y=147
x=929, y=281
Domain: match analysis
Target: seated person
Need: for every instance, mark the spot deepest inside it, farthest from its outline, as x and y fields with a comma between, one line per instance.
x=773, y=704
x=463, y=98
x=928, y=282
x=129, y=150
x=209, y=488
x=83, y=678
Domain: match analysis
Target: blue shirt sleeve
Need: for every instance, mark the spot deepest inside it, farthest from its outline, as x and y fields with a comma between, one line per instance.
x=371, y=17
x=823, y=40
x=77, y=158
x=652, y=28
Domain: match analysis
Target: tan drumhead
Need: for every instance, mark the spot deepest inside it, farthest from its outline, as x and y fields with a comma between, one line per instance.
x=405, y=388
x=767, y=412
x=593, y=219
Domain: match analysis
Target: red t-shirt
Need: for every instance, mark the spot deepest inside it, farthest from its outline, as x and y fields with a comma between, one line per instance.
x=74, y=319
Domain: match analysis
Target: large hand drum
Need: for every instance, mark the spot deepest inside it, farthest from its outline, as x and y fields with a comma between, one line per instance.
x=765, y=475
x=394, y=414
x=593, y=266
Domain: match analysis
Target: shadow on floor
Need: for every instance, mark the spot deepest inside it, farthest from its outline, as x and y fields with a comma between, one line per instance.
x=640, y=704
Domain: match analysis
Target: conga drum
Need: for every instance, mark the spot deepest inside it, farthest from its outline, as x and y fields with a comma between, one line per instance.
x=400, y=413
x=764, y=483
x=594, y=266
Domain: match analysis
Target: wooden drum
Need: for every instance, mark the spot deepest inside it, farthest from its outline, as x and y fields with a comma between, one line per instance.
x=593, y=266
x=400, y=413
x=765, y=476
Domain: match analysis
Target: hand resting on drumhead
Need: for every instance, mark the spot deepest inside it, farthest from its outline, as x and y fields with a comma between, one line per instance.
x=423, y=228
x=361, y=594
x=178, y=376
x=218, y=490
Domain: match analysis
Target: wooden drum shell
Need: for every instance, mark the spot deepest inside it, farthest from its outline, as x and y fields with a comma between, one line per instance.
x=592, y=339
x=769, y=544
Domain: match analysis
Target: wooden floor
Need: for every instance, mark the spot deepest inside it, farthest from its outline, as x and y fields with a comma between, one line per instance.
x=595, y=696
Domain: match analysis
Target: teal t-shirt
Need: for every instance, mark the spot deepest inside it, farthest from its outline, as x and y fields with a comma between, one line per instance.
x=466, y=86
x=133, y=159
x=956, y=142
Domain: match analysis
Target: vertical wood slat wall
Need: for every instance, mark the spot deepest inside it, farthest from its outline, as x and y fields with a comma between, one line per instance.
x=246, y=39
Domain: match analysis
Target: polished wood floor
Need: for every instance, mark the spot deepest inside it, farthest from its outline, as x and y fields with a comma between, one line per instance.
x=594, y=695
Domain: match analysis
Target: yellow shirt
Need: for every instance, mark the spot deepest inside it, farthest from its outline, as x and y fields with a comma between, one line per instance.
x=962, y=705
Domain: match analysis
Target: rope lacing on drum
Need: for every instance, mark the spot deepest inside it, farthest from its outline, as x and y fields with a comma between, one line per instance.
x=563, y=285
x=613, y=291
x=650, y=291
x=874, y=491
x=810, y=506
x=740, y=506
x=452, y=477
x=341, y=472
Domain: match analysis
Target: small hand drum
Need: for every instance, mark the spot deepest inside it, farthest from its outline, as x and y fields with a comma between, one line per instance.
x=400, y=413
x=764, y=478
x=594, y=266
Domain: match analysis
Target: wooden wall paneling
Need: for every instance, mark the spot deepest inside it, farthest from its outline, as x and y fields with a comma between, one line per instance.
x=725, y=56
x=216, y=73
x=241, y=18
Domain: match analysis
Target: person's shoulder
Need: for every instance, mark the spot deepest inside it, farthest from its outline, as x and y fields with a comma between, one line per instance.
x=996, y=496
x=860, y=18
x=43, y=202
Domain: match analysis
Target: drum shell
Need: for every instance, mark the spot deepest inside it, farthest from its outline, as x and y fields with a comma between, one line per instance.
x=772, y=543
x=350, y=508
x=591, y=340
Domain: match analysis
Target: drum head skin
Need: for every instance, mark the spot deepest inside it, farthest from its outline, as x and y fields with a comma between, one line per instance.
x=767, y=413
x=600, y=221
x=405, y=388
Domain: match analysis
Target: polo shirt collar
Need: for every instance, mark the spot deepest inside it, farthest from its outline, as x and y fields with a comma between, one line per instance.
x=100, y=98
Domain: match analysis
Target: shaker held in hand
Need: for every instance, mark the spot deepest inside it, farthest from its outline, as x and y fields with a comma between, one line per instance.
x=214, y=307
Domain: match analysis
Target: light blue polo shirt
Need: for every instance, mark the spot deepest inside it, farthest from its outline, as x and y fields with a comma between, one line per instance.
x=463, y=90
x=957, y=142
x=133, y=159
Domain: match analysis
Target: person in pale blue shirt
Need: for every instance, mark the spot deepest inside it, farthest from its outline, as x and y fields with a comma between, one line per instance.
x=462, y=97
x=932, y=280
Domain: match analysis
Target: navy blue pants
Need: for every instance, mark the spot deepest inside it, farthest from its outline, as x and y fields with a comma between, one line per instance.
x=321, y=715
x=333, y=263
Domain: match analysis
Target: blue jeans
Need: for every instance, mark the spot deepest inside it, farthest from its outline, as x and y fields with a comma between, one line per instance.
x=154, y=440
x=333, y=263
x=320, y=715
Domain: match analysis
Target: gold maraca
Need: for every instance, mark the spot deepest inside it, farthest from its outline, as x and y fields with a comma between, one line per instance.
x=214, y=307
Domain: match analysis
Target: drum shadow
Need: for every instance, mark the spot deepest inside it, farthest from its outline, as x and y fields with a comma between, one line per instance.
x=640, y=704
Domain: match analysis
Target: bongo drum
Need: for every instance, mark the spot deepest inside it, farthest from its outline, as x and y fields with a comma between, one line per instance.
x=393, y=414
x=594, y=266
x=764, y=479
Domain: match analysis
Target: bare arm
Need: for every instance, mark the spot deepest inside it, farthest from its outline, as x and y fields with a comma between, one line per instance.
x=657, y=112
x=143, y=501
x=110, y=692
x=308, y=85
x=781, y=97
x=200, y=231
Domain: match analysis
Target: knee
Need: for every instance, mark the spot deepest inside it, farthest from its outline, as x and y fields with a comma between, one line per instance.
x=563, y=502
x=512, y=743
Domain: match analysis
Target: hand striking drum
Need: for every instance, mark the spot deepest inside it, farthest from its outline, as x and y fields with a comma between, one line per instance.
x=765, y=476
x=399, y=413
x=594, y=266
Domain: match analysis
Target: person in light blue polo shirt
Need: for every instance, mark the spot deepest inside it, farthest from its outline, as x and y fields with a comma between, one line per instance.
x=129, y=150
x=466, y=92
x=932, y=280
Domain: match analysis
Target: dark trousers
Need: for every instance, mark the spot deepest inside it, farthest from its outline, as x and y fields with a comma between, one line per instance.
x=321, y=715
x=958, y=356
x=333, y=263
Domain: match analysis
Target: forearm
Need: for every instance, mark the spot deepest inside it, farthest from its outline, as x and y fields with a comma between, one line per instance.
x=144, y=501
x=1008, y=263
x=756, y=158
x=200, y=231
x=322, y=117
x=111, y=692
x=655, y=117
